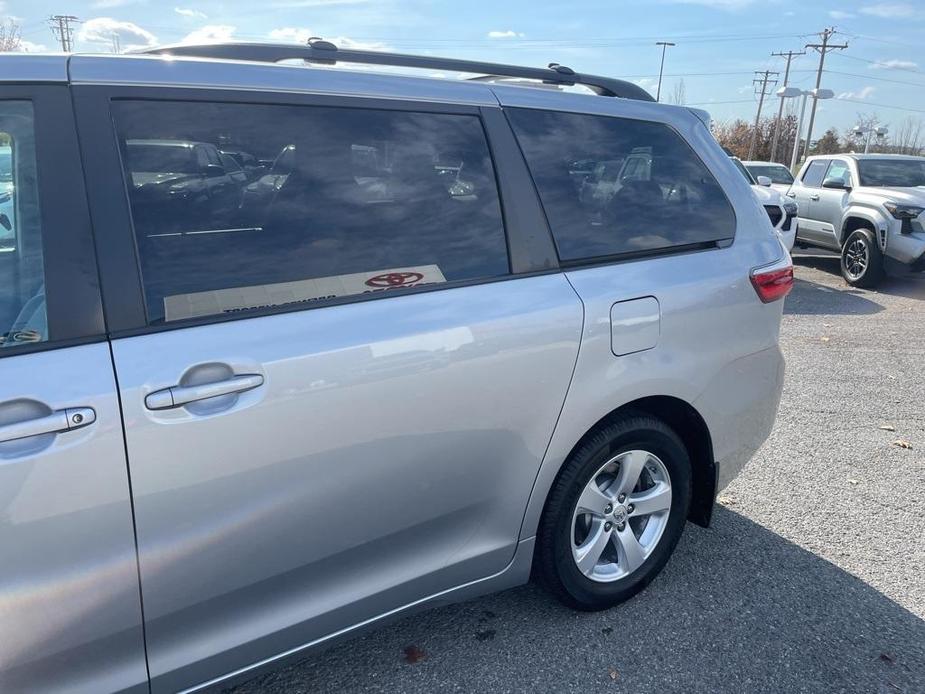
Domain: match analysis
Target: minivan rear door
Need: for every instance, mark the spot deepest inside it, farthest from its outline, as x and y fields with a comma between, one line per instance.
x=70, y=615
x=337, y=400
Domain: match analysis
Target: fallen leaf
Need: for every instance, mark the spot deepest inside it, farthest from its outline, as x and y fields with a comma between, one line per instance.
x=850, y=481
x=824, y=338
x=888, y=427
x=413, y=655
x=902, y=443
x=614, y=675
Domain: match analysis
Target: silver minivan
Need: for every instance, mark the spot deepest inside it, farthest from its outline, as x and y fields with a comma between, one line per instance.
x=416, y=367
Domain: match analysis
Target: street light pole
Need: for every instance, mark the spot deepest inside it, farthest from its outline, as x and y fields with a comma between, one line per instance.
x=796, y=139
x=661, y=67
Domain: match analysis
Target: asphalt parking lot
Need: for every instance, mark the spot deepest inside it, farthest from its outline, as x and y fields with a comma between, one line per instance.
x=812, y=578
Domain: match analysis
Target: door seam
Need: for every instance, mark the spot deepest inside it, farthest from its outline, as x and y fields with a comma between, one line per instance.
x=131, y=498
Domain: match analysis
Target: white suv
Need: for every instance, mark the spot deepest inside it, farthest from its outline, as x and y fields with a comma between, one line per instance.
x=869, y=207
x=781, y=211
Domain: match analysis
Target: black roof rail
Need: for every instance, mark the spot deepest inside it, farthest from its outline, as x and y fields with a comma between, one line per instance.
x=326, y=53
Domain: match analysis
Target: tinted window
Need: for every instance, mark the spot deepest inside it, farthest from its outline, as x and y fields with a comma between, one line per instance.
x=814, y=173
x=22, y=278
x=662, y=195
x=895, y=173
x=777, y=174
x=352, y=201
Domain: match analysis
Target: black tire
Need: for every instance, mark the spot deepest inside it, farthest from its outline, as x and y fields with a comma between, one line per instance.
x=862, y=241
x=554, y=565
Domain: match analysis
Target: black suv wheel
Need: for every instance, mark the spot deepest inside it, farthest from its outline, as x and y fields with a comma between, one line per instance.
x=615, y=513
x=861, y=259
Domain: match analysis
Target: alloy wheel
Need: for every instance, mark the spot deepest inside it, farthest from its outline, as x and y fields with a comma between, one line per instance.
x=620, y=516
x=857, y=258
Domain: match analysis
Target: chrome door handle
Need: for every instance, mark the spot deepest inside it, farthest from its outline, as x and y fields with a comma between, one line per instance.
x=54, y=423
x=790, y=195
x=177, y=396
x=814, y=196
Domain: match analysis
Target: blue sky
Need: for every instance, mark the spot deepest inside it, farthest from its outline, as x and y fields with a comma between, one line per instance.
x=719, y=42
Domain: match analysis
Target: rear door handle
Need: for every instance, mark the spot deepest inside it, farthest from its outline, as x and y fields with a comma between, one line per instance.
x=177, y=396
x=791, y=195
x=814, y=196
x=54, y=423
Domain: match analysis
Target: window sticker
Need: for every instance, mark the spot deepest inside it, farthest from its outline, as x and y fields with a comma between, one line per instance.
x=209, y=303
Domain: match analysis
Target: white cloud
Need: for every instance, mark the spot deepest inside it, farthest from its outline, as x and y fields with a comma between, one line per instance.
x=210, y=33
x=29, y=47
x=509, y=34
x=100, y=30
x=893, y=10
x=646, y=83
x=894, y=64
x=864, y=93
x=839, y=14
x=190, y=13
x=303, y=34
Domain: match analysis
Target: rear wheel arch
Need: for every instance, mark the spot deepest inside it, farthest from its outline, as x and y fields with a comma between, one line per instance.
x=691, y=428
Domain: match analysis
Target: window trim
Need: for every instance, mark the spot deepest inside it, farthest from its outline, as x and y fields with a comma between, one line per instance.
x=615, y=258
x=72, y=291
x=123, y=296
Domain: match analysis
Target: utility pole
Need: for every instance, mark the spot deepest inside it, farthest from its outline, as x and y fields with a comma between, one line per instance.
x=62, y=29
x=661, y=68
x=822, y=48
x=789, y=55
x=763, y=92
x=116, y=44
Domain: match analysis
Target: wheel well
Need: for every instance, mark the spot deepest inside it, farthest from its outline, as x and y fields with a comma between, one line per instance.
x=693, y=431
x=853, y=224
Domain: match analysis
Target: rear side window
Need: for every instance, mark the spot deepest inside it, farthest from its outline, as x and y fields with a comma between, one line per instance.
x=612, y=186
x=338, y=202
x=22, y=277
x=815, y=171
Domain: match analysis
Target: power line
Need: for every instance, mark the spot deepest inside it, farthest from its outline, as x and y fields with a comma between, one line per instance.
x=62, y=30
x=872, y=103
x=822, y=48
x=762, y=92
x=790, y=55
x=877, y=79
x=880, y=64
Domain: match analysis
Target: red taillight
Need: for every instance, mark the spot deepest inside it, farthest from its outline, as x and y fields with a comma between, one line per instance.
x=773, y=283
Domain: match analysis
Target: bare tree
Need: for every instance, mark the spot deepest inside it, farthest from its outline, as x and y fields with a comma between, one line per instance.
x=9, y=37
x=736, y=136
x=679, y=93
x=908, y=137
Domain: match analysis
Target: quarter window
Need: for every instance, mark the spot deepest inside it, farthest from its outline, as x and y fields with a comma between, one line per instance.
x=338, y=202
x=661, y=196
x=814, y=173
x=22, y=277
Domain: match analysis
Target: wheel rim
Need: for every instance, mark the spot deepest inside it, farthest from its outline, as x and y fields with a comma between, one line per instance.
x=857, y=258
x=620, y=516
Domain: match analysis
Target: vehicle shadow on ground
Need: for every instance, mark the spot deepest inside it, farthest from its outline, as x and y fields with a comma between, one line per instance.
x=738, y=609
x=812, y=298
x=896, y=283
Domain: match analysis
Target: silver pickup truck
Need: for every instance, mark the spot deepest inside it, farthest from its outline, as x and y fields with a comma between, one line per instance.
x=869, y=207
